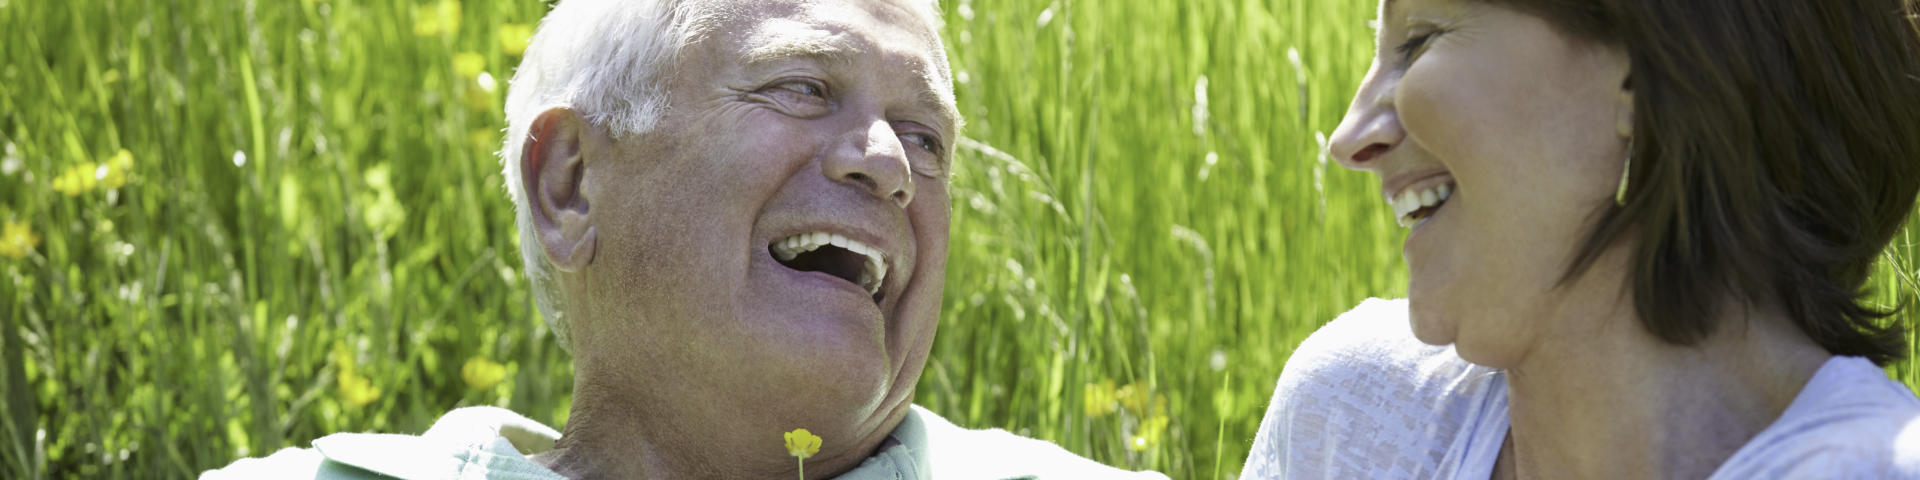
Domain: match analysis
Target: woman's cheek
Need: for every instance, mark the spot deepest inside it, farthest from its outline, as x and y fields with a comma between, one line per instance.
x=1414, y=102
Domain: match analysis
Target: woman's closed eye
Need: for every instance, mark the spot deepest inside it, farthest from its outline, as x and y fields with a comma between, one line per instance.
x=1413, y=47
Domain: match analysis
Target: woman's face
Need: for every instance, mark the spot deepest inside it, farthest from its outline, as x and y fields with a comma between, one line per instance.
x=1498, y=140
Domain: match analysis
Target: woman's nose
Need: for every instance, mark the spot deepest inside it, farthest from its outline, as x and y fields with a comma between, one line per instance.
x=1371, y=127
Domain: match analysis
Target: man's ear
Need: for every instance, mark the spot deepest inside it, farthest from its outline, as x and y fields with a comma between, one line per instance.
x=553, y=159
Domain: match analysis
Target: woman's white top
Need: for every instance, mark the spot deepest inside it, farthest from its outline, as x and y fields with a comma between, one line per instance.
x=1362, y=398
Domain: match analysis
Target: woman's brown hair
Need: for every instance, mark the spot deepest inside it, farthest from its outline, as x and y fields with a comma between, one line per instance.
x=1776, y=151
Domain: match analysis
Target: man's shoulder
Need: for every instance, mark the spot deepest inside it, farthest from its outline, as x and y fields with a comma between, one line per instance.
x=477, y=442
x=959, y=452
x=341, y=456
x=290, y=462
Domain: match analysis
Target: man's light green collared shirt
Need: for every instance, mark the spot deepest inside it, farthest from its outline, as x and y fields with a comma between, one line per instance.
x=494, y=443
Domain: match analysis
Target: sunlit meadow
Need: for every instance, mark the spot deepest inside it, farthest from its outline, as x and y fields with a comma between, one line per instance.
x=231, y=226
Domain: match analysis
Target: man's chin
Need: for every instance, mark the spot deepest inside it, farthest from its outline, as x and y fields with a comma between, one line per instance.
x=852, y=416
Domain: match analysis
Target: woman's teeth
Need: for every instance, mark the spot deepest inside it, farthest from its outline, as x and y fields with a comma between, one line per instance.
x=1414, y=204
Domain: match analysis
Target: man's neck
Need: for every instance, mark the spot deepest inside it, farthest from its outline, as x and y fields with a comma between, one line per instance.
x=605, y=438
x=590, y=449
x=1620, y=403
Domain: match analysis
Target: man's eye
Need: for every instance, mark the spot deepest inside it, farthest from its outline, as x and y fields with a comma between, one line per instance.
x=926, y=142
x=933, y=167
x=804, y=88
x=800, y=97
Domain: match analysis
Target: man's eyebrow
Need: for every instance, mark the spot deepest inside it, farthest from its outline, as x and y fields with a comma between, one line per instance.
x=809, y=45
x=945, y=113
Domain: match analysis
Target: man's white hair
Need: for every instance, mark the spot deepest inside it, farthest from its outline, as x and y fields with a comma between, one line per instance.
x=608, y=61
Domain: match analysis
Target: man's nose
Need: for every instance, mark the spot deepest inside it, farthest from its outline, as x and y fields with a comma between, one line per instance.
x=1371, y=127
x=872, y=159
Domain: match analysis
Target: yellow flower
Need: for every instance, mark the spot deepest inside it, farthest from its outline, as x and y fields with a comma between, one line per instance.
x=469, y=64
x=482, y=374
x=802, y=443
x=17, y=240
x=513, y=38
x=1100, y=399
x=77, y=179
x=1149, y=433
x=436, y=18
x=357, y=390
x=1138, y=398
x=116, y=169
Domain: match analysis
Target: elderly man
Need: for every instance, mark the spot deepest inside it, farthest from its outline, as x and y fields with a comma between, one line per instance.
x=735, y=214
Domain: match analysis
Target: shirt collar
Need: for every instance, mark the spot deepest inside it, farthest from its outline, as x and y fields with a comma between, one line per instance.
x=501, y=440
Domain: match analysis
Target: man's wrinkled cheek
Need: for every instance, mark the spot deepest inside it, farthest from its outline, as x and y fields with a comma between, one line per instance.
x=771, y=155
x=931, y=223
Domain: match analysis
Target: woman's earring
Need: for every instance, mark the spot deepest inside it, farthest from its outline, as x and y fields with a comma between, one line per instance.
x=1620, y=196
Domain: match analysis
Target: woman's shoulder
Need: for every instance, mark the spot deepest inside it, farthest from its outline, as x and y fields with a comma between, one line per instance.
x=1362, y=388
x=1849, y=421
x=1373, y=345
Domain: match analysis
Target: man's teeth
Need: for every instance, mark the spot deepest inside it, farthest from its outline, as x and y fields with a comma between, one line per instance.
x=1411, y=200
x=871, y=276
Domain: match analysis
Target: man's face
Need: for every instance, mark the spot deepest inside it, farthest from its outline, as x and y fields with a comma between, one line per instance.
x=771, y=256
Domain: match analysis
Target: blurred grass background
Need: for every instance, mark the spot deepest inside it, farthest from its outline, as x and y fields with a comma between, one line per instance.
x=234, y=226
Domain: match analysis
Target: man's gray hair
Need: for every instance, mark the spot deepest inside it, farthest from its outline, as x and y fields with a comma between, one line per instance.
x=603, y=59
x=607, y=61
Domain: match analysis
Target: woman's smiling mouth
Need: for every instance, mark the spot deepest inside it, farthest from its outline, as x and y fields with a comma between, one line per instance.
x=1415, y=204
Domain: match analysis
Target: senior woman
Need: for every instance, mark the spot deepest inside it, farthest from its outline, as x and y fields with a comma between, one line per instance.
x=1640, y=232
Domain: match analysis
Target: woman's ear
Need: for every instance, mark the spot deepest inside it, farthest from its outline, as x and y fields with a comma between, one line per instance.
x=553, y=161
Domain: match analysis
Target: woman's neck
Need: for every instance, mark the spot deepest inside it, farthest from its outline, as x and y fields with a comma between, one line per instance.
x=1617, y=402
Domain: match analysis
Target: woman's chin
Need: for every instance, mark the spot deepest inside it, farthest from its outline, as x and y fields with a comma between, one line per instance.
x=1428, y=325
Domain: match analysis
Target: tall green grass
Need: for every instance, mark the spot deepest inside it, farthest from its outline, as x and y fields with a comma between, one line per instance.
x=311, y=235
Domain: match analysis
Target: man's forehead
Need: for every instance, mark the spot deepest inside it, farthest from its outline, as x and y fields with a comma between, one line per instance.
x=835, y=30
x=780, y=39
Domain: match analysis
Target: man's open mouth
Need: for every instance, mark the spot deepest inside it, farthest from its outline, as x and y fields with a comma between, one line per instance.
x=835, y=255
